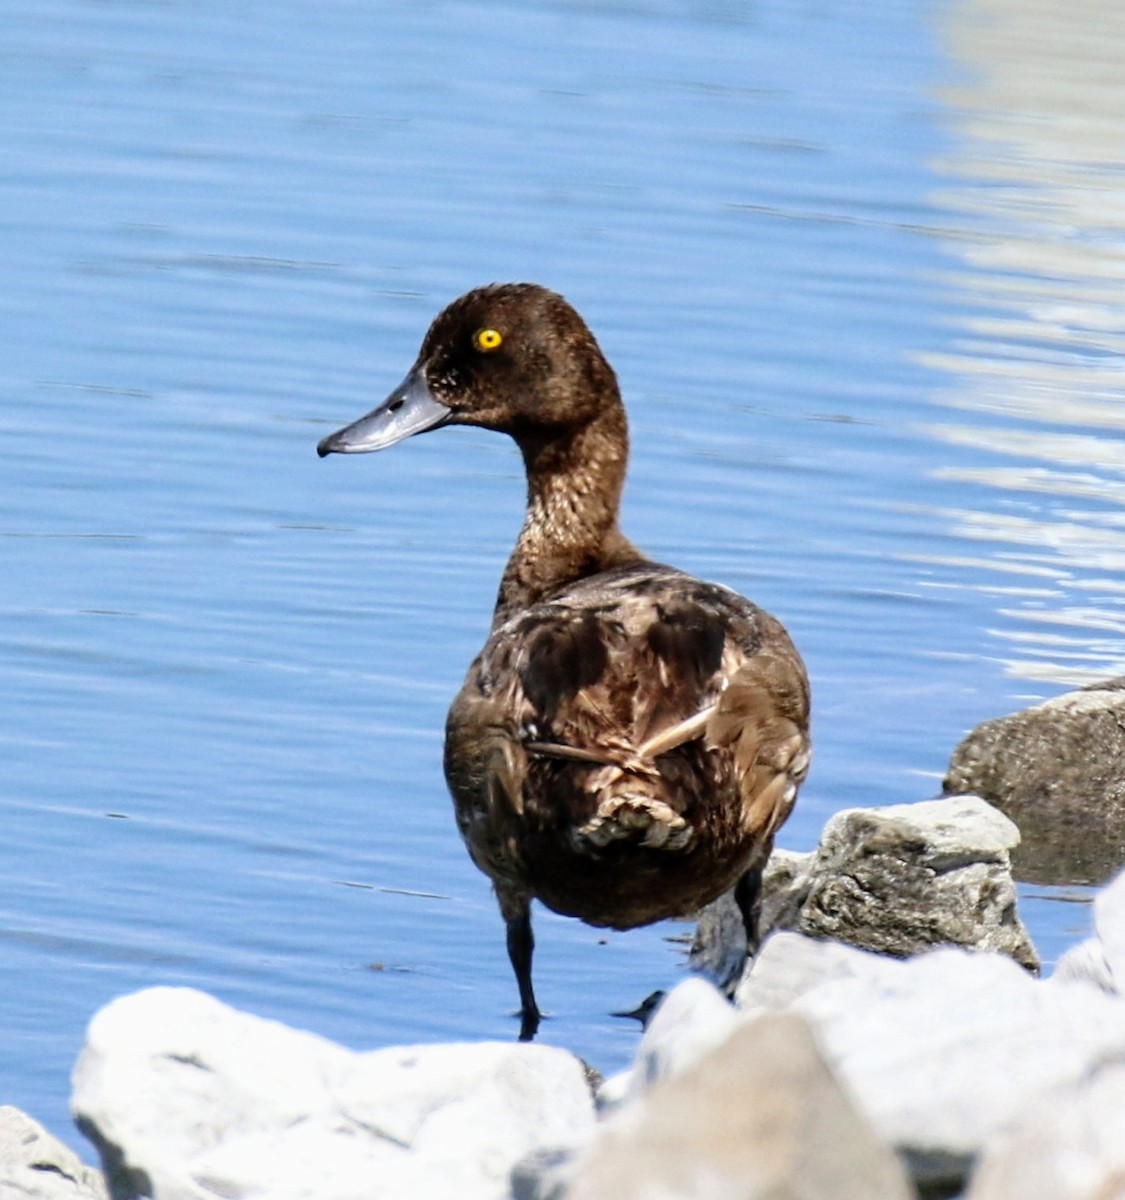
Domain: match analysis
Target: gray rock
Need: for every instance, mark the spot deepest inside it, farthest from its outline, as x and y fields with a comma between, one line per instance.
x=896, y=880
x=34, y=1165
x=1058, y=770
x=718, y=946
x=1070, y=1146
x=759, y=1116
x=187, y=1098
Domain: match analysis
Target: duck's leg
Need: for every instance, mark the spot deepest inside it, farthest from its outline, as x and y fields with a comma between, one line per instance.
x=515, y=908
x=748, y=897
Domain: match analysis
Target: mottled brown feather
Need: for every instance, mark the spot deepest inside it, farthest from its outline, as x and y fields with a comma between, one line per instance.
x=628, y=839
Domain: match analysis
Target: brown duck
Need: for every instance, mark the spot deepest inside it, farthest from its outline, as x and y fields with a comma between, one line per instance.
x=630, y=738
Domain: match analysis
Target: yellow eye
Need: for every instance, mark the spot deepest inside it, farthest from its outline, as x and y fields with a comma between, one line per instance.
x=488, y=339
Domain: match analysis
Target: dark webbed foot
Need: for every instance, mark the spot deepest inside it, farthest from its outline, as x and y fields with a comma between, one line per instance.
x=643, y=1012
x=529, y=1024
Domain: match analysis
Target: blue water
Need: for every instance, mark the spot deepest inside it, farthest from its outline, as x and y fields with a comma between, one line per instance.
x=858, y=267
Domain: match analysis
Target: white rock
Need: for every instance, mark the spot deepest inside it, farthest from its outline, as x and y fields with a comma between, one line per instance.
x=481, y=1105
x=1070, y=1146
x=1084, y=963
x=760, y=1116
x=35, y=1165
x=695, y=1017
x=187, y=1098
x=1100, y=960
x=692, y=1019
x=946, y=1052
x=791, y=964
x=1109, y=923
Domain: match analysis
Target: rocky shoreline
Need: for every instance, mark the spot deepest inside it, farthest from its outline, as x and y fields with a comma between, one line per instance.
x=892, y=1039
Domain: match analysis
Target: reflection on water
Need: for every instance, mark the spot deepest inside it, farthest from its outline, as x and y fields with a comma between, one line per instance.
x=1037, y=193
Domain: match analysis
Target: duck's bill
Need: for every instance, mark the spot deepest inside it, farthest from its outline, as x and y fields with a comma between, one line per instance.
x=409, y=409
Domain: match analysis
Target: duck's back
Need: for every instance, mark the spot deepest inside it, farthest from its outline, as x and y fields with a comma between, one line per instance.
x=626, y=749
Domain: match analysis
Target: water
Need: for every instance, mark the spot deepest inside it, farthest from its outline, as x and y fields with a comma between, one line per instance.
x=859, y=270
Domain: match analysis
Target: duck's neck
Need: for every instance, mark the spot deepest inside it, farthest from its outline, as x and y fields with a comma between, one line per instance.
x=570, y=531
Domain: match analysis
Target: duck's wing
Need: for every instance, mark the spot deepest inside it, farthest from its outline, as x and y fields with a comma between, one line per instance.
x=762, y=721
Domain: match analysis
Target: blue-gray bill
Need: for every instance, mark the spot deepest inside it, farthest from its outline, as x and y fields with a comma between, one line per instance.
x=409, y=409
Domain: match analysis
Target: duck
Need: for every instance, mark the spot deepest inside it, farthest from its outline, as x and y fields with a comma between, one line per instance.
x=630, y=738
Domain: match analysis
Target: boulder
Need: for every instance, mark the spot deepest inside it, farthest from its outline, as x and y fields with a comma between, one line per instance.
x=1069, y=1142
x=1084, y=963
x=187, y=1098
x=946, y=1054
x=34, y=1165
x=1069, y=1146
x=791, y=964
x=696, y=1016
x=758, y=1116
x=951, y=1056
x=945, y=1051
x=897, y=880
x=1058, y=770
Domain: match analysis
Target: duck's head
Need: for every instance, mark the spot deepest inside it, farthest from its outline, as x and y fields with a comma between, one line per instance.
x=513, y=357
